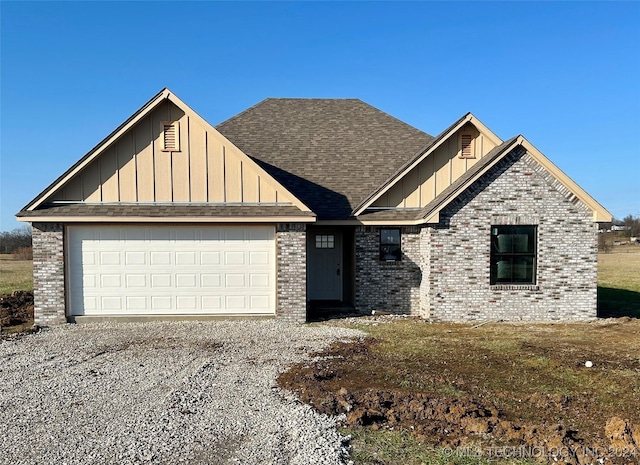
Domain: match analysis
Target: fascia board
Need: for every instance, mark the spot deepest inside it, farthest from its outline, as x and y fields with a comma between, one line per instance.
x=600, y=214
x=97, y=150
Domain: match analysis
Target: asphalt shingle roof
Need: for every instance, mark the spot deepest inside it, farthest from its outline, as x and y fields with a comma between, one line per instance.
x=330, y=153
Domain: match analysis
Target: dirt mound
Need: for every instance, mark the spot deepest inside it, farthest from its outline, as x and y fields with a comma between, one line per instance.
x=16, y=308
x=452, y=421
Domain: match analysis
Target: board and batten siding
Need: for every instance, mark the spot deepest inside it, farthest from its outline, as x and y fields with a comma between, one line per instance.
x=436, y=172
x=206, y=169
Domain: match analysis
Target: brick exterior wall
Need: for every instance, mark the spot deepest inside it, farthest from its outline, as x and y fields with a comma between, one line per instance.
x=516, y=191
x=387, y=286
x=291, y=246
x=48, y=274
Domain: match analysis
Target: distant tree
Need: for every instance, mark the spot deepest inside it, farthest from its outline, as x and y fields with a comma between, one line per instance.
x=10, y=241
x=603, y=245
x=632, y=224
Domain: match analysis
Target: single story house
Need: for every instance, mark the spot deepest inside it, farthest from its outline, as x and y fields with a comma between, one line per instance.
x=300, y=200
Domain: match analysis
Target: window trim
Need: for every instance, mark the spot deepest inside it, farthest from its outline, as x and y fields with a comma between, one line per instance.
x=494, y=256
x=382, y=243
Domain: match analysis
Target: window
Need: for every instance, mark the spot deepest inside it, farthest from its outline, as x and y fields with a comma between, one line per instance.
x=325, y=241
x=170, y=136
x=466, y=145
x=390, y=245
x=513, y=254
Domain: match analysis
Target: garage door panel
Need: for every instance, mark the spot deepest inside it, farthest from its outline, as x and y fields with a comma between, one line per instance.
x=137, y=303
x=259, y=302
x=211, y=281
x=110, y=258
x=171, y=270
x=259, y=280
x=90, y=304
x=186, y=303
x=210, y=258
x=185, y=258
x=234, y=280
x=186, y=280
x=135, y=258
x=259, y=258
x=236, y=302
x=136, y=280
x=161, y=302
x=111, y=303
x=160, y=258
x=234, y=258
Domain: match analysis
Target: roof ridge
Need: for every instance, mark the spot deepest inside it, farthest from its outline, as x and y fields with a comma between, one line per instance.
x=314, y=98
x=237, y=115
x=396, y=118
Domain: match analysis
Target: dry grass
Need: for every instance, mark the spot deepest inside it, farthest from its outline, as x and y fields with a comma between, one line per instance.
x=535, y=374
x=15, y=274
x=620, y=269
x=619, y=282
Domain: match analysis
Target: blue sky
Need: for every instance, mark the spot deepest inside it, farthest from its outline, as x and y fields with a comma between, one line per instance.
x=566, y=75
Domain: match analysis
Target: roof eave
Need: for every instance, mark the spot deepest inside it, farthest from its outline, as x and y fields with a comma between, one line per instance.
x=164, y=94
x=99, y=148
x=422, y=154
x=600, y=214
x=166, y=219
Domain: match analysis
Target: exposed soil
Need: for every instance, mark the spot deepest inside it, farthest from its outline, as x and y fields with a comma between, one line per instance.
x=16, y=310
x=456, y=410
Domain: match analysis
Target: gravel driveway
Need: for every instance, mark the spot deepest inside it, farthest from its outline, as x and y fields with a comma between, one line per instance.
x=162, y=393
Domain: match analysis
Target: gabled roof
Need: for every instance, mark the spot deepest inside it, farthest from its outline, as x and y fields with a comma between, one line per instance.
x=333, y=157
x=330, y=153
x=430, y=213
x=164, y=94
x=423, y=153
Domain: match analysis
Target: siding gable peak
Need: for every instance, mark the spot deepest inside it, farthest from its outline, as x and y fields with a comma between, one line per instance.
x=165, y=152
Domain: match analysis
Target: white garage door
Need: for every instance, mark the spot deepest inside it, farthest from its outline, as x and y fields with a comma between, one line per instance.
x=138, y=270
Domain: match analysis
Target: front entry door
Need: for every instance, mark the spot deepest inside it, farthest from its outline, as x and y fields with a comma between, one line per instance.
x=325, y=265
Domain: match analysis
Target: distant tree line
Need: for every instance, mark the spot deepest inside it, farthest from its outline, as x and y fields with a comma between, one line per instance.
x=632, y=224
x=10, y=241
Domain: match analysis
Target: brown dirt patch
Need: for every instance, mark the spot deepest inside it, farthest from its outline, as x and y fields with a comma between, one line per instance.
x=16, y=311
x=503, y=385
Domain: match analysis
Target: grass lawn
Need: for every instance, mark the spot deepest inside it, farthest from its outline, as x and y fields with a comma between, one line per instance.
x=15, y=275
x=533, y=374
x=619, y=282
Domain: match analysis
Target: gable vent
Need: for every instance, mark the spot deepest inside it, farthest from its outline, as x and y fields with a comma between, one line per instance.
x=466, y=146
x=171, y=136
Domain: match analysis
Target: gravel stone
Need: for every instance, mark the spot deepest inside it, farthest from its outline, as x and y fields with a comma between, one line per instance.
x=163, y=393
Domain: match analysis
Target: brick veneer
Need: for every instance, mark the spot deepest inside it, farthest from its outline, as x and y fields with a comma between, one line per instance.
x=516, y=191
x=444, y=272
x=291, y=239
x=48, y=273
x=387, y=286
